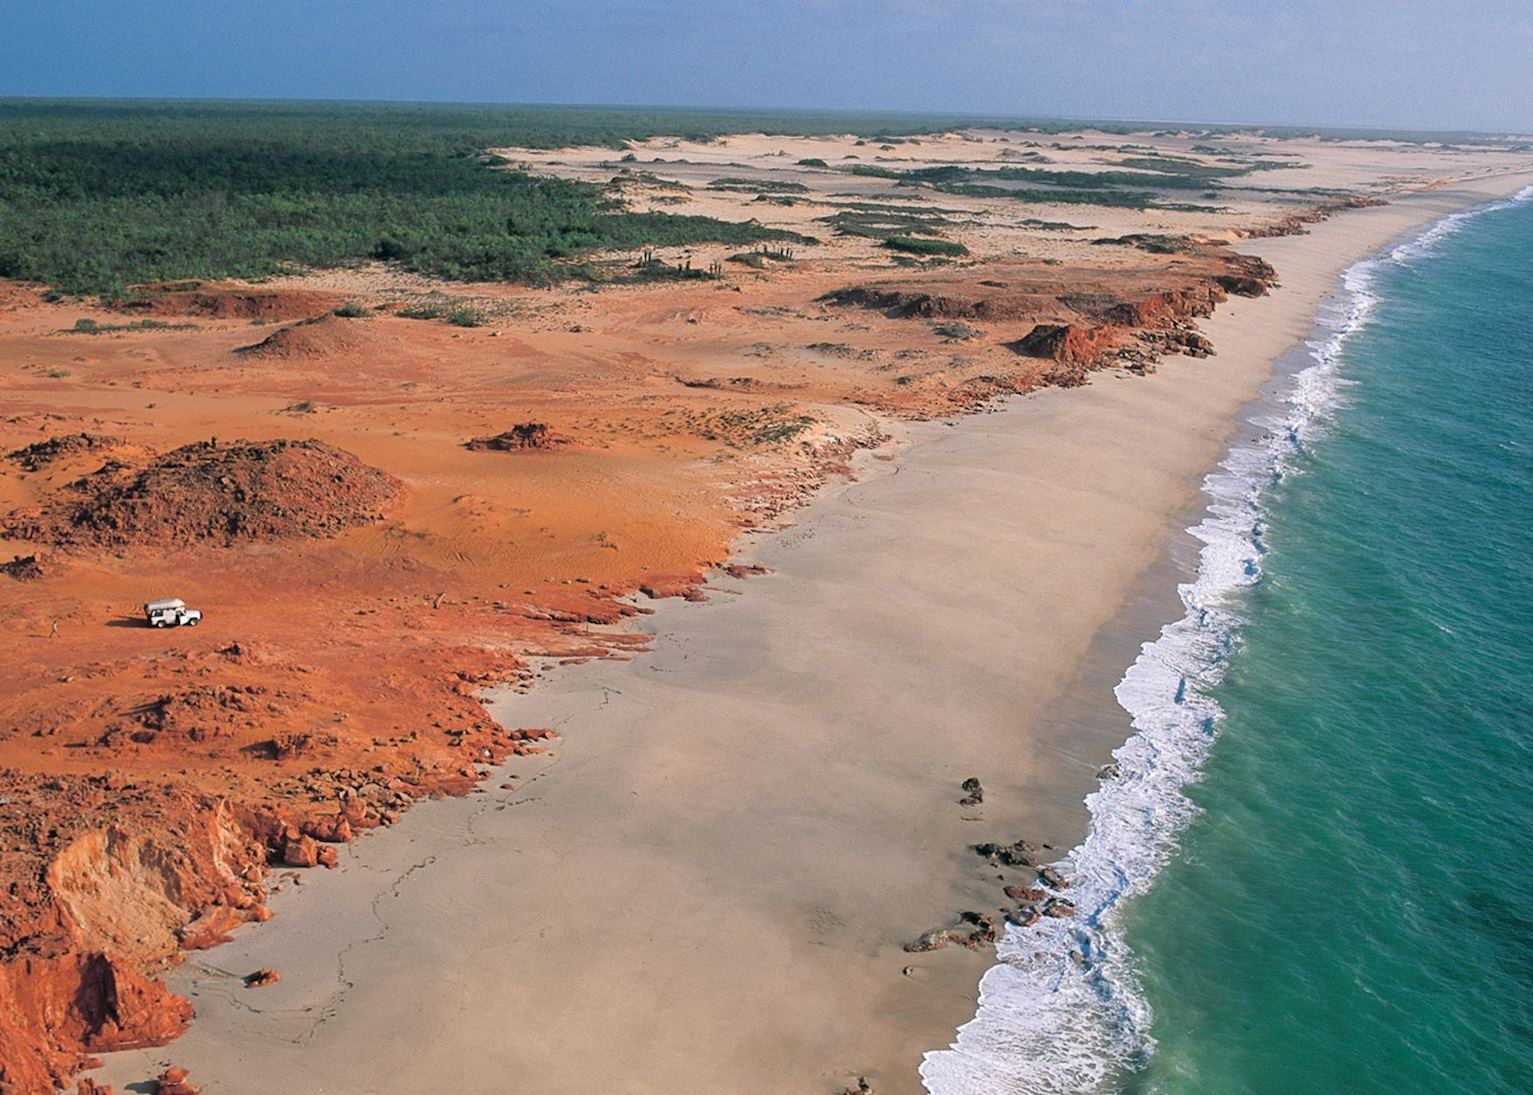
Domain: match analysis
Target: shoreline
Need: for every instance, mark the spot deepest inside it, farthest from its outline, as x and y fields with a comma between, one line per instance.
x=1078, y=978
x=253, y=1043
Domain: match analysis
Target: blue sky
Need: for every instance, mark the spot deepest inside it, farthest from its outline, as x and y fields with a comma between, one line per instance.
x=1417, y=63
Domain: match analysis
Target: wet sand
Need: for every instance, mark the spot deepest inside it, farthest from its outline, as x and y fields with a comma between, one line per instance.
x=707, y=884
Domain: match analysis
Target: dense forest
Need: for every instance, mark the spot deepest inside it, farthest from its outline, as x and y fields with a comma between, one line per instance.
x=98, y=196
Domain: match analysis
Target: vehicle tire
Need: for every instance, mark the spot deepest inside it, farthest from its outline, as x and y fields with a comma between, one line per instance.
x=191, y=623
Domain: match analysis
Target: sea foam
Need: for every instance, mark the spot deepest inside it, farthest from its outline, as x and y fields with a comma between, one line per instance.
x=1063, y=1011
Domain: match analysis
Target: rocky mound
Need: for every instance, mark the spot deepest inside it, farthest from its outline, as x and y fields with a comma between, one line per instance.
x=322, y=336
x=40, y=454
x=522, y=436
x=1066, y=343
x=267, y=490
x=200, y=713
x=23, y=568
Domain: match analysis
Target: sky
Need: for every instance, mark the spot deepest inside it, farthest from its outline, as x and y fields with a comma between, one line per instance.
x=1423, y=64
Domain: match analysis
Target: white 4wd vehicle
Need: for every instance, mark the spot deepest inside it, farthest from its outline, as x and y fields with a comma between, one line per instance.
x=171, y=612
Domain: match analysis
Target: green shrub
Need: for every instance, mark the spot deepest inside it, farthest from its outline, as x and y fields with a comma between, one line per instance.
x=91, y=327
x=881, y=225
x=758, y=186
x=465, y=316
x=921, y=246
x=351, y=310
x=98, y=196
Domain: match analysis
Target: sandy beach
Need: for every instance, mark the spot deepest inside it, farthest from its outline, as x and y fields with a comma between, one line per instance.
x=708, y=882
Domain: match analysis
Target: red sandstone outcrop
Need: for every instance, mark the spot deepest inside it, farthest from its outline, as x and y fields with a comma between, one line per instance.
x=60, y=1007
x=1103, y=316
x=209, y=300
x=1298, y=223
x=212, y=927
x=174, y=1081
x=1069, y=344
x=300, y=851
x=685, y=586
x=140, y=872
x=522, y=437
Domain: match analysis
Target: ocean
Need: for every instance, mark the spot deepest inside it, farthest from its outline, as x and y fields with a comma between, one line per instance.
x=1312, y=870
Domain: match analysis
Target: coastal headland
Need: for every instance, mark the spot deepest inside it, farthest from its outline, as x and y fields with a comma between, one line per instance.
x=698, y=859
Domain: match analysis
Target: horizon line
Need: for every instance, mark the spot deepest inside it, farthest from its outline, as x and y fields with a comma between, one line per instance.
x=970, y=116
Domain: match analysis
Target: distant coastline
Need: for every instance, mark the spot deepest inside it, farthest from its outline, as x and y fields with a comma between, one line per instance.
x=780, y=765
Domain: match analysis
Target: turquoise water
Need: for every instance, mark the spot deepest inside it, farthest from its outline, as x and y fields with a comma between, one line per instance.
x=1311, y=868
x=1352, y=910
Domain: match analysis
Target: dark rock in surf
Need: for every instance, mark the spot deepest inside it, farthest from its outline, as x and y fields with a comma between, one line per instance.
x=971, y=929
x=1052, y=878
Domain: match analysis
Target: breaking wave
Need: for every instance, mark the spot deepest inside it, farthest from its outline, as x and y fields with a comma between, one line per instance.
x=1063, y=1011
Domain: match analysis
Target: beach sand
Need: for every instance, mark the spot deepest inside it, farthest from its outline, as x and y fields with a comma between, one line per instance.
x=707, y=884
